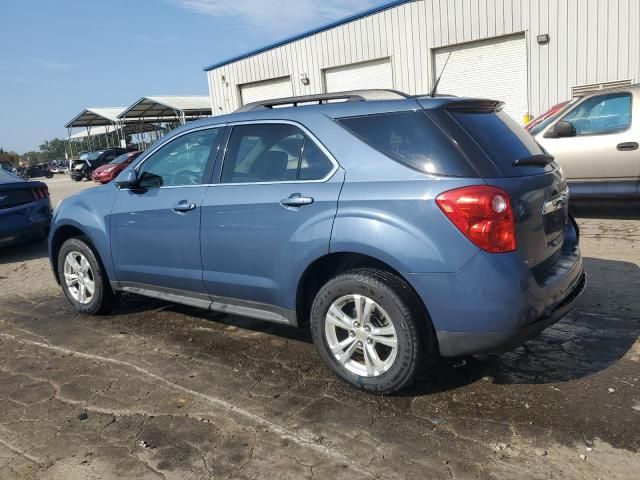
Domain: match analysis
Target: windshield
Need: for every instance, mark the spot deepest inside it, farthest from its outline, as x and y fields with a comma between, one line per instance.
x=93, y=155
x=543, y=124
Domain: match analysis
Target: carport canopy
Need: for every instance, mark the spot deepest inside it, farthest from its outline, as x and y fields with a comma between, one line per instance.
x=128, y=129
x=96, y=117
x=168, y=108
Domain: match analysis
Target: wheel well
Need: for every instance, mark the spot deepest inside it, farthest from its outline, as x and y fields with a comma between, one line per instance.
x=62, y=234
x=327, y=267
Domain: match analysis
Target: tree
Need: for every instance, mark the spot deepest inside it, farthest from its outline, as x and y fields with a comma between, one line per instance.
x=32, y=157
x=53, y=150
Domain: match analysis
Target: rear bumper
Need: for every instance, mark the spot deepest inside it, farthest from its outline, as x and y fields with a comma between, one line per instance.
x=454, y=344
x=496, y=302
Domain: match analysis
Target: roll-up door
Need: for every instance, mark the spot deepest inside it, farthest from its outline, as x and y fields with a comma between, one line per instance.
x=358, y=76
x=495, y=69
x=266, y=90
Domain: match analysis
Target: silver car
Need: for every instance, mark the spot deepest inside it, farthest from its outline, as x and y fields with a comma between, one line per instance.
x=595, y=139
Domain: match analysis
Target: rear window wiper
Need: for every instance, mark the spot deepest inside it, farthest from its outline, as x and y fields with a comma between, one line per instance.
x=541, y=160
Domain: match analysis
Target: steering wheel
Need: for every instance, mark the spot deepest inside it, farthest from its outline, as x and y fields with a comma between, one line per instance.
x=186, y=177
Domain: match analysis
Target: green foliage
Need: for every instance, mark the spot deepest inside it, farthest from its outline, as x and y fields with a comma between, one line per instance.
x=52, y=150
x=8, y=157
x=32, y=157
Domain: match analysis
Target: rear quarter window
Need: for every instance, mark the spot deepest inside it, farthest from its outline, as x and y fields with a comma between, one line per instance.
x=411, y=138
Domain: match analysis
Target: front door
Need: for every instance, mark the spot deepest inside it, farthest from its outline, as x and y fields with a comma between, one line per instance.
x=603, y=156
x=269, y=216
x=155, y=236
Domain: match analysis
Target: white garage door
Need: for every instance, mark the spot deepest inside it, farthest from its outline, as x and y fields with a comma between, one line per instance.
x=266, y=90
x=495, y=69
x=374, y=74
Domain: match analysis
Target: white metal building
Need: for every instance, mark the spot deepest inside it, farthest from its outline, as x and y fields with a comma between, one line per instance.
x=531, y=54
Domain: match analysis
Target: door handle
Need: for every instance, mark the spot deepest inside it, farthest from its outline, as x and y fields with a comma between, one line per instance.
x=184, y=206
x=295, y=200
x=627, y=146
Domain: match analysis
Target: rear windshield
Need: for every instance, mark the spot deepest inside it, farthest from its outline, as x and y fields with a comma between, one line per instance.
x=411, y=138
x=502, y=139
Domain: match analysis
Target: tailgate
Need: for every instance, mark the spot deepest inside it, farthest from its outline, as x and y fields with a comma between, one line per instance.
x=507, y=157
x=541, y=213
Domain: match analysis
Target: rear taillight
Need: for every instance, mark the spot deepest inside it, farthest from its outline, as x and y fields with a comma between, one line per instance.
x=483, y=214
x=40, y=192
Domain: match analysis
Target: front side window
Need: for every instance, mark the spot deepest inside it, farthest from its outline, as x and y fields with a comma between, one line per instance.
x=272, y=153
x=602, y=114
x=181, y=162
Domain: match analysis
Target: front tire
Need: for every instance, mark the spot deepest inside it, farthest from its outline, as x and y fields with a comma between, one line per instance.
x=370, y=328
x=83, y=279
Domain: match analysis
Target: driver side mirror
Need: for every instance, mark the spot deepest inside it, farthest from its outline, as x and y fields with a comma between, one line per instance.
x=563, y=129
x=127, y=179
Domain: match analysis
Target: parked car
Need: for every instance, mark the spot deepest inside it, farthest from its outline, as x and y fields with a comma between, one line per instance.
x=88, y=162
x=59, y=166
x=397, y=229
x=35, y=171
x=25, y=209
x=596, y=140
x=111, y=170
x=538, y=123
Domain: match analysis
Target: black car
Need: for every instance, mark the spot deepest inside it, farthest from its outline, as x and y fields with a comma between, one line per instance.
x=88, y=162
x=34, y=171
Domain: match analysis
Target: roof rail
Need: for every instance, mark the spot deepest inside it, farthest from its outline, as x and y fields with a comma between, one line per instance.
x=350, y=96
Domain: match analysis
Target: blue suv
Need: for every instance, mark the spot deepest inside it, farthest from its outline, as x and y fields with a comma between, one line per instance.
x=396, y=228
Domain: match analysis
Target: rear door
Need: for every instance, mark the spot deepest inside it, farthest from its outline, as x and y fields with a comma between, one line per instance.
x=269, y=216
x=603, y=157
x=155, y=236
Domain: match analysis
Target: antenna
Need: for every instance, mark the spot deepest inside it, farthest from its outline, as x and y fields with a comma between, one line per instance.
x=435, y=85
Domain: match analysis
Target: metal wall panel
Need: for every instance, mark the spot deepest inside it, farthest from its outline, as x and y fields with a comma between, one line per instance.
x=592, y=41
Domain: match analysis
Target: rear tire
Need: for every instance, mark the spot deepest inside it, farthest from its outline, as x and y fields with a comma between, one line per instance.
x=370, y=328
x=83, y=279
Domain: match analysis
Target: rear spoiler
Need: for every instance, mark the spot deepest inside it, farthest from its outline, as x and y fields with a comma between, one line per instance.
x=474, y=106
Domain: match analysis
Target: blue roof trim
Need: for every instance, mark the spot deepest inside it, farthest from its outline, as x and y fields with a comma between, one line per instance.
x=322, y=28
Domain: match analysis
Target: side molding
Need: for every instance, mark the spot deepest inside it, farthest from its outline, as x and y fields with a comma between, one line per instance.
x=261, y=311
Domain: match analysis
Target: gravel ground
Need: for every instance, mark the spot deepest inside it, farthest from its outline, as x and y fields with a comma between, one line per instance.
x=157, y=390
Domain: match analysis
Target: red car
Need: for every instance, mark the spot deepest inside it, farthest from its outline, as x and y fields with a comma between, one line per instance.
x=552, y=112
x=108, y=172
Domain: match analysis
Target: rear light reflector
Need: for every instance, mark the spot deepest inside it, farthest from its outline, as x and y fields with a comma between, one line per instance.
x=40, y=192
x=483, y=214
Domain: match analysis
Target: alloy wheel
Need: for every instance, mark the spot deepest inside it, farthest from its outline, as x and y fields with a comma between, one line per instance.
x=79, y=277
x=360, y=335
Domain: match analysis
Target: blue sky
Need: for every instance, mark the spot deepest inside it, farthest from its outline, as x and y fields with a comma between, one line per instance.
x=57, y=57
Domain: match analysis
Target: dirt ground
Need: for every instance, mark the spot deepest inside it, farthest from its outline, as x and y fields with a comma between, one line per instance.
x=164, y=391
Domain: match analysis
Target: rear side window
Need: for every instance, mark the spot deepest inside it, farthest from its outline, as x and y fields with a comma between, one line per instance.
x=272, y=153
x=501, y=138
x=411, y=138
